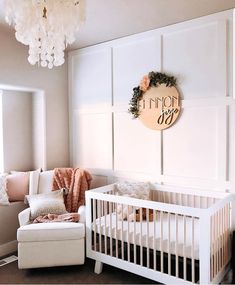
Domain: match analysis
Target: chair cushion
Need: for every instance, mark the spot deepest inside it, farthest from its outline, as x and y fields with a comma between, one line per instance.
x=45, y=181
x=51, y=232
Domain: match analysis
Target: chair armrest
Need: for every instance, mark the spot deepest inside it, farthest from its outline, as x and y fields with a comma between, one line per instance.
x=24, y=217
x=82, y=213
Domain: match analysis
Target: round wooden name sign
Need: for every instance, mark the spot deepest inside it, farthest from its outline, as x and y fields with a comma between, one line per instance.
x=159, y=107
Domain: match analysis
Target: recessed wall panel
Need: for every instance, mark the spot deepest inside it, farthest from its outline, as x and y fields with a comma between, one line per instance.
x=190, y=147
x=91, y=83
x=197, y=57
x=131, y=61
x=136, y=148
x=93, y=141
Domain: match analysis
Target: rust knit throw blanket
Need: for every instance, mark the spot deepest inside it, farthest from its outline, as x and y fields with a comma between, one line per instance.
x=77, y=181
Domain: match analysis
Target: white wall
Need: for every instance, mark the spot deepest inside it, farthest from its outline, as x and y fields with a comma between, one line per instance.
x=16, y=71
x=198, y=150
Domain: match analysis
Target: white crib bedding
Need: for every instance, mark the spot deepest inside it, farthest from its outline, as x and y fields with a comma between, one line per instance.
x=133, y=233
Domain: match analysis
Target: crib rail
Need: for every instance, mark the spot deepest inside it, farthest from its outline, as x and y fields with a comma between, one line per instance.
x=184, y=199
x=157, y=237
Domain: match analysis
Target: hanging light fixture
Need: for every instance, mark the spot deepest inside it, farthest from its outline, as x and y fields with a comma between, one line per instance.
x=46, y=26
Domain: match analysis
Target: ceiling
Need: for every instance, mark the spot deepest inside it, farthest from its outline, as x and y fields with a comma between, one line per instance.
x=111, y=19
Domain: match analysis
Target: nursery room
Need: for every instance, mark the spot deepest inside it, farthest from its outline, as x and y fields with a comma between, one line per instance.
x=117, y=142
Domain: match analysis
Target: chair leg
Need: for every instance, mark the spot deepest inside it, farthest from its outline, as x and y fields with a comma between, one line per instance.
x=98, y=267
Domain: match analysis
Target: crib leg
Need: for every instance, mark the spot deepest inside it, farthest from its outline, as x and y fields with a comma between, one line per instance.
x=98, y=267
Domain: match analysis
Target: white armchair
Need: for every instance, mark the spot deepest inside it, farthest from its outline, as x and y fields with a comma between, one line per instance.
x=50, y=244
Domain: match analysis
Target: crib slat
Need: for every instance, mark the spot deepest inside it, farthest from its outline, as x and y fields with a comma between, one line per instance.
x=154, y=239
x=116, y=236
x=212, y=248
x=110, y=227
x=147, y=236
x=217, y=243
x=214, y=245
x=192, y=253
x=94, y=222
x=105, y=227
x=170, y=197
x=122, y=235
x=229, y=223
x=227, y=232
x=141, y=235
x=220, y=240
x=184, y=251
x=134, y=239
x=99, y=218
x=176, y=246
x=169, y=243
x=223, y=236
x=161, y=239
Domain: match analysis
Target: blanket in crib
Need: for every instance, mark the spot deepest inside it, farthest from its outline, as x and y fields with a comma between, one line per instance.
x=77, y=181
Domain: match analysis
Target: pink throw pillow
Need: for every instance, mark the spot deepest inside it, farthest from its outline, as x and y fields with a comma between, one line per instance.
x=17, y=186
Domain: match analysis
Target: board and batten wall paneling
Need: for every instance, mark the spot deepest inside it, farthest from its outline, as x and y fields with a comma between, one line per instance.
x=198, y=150
x=190, y=147
x=93, y=140
x=131, y=61
x=91, y=82
x=197, y=57
x=133, y=140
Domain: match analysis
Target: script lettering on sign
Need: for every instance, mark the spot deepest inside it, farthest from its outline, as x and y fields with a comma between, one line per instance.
x=159, y=107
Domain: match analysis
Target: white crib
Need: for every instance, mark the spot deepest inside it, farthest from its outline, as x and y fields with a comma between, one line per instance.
x=188, y=241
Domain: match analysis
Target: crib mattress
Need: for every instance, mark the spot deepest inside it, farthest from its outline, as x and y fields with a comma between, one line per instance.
x=182, y=242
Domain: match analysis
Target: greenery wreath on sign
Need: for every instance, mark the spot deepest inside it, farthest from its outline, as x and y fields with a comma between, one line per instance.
x=153, y=79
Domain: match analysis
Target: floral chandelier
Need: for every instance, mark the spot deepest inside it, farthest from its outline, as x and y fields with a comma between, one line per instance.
x=46, y=26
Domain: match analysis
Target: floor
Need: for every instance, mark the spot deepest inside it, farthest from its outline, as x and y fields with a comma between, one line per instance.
x=82, y=274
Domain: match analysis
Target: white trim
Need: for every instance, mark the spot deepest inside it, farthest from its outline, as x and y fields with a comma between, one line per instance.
x=70, y=104
x=19, y=88
x=187, y=103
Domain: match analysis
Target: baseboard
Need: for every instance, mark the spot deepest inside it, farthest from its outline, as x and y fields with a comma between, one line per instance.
x=8, y=248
